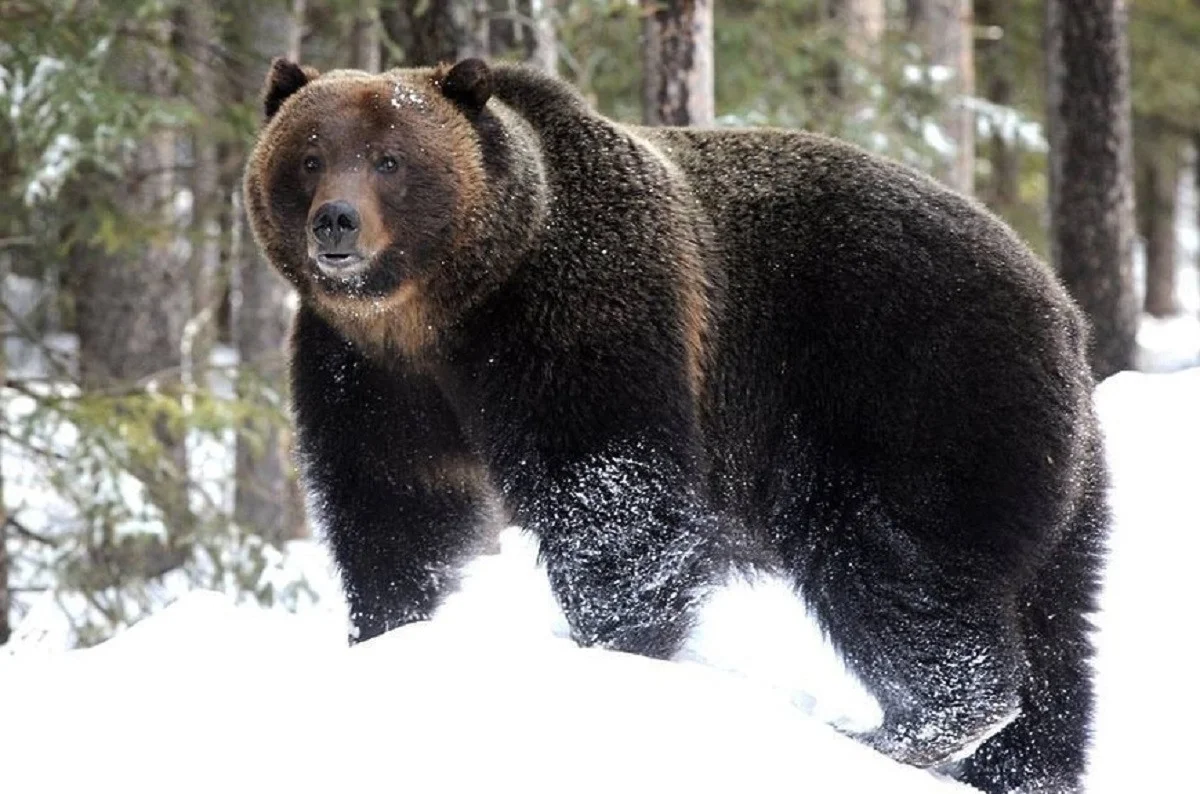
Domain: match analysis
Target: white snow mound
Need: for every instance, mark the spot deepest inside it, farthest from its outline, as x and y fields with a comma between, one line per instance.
x=209, y=696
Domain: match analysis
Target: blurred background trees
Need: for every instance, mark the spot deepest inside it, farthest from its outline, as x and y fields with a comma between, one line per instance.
x=677, y=62
x=1091, y=178
x=145, y=437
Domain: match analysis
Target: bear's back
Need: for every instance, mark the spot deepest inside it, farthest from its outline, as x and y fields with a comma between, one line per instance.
x=787, y=213
x=848, y=294
x=878, y=315
x=801, y=209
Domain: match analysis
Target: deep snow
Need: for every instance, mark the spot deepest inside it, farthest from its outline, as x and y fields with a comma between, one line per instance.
x=209, y=695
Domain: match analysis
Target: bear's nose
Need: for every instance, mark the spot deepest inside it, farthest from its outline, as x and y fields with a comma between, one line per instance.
x=335, y=226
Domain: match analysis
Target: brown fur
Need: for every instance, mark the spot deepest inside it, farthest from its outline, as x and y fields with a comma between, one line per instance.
x=694, y=237
x=462, y=144
x=695, y=307
x=407, y=320
x=457, y=472
x=676, y=351
x=465, y=475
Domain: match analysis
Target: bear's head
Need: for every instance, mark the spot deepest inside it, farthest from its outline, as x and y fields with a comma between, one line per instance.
x=379, y=194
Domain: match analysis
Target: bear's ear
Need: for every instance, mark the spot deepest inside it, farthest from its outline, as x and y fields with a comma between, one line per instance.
x=469, y=84
x=284, y=79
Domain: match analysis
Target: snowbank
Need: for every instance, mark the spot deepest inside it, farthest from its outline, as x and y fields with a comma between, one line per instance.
x=1147, y=701
x=211, y=696
x=208, y=696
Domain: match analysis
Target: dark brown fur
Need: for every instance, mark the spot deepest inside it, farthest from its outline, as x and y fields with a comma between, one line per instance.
x=409, y=318
x=670, y=354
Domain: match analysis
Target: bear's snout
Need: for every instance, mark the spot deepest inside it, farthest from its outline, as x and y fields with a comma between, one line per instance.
x=335, y=227
x=334, y=233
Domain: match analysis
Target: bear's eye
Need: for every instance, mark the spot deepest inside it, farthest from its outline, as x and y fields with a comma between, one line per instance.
x=312, y=164
x=386, y=164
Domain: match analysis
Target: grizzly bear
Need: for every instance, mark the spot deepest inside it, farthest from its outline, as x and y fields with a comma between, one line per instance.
x=675, y=353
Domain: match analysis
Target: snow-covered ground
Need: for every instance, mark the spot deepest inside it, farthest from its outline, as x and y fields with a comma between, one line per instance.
x=1147, y=700
x=209, y=695
x=1170, y=343
x=1173, y=343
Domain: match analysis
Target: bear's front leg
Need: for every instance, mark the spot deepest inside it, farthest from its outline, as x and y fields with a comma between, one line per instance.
x=628, y=548
x=604, y=467
x=391, y=484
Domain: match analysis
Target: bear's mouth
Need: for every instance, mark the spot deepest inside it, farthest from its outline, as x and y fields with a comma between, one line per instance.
x=341, y=265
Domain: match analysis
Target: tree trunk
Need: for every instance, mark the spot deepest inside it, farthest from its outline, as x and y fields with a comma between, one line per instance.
x=525, y=29
x=677, y=63
x=131, y=314
x=297, y=27
x=478, y=23
x=7, y=168
x=860, y=24
x=131, y=305
x=545, y=35
x=509, y=29
x=438, y=31
x=1196, y=190
x=1091, y=191
x=945, y=30
x=5, y=610
x=208, y=281
x=8, y=226
x=266, y=498
x=1158, y=160
x=365, y=45
x=996, y=57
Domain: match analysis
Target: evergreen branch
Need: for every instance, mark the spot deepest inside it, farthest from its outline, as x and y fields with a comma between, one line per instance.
x=32, y=336
x=34, y=448
x=29, y=534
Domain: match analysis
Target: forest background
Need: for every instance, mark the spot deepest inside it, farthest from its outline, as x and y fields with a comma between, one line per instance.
x=144, y=438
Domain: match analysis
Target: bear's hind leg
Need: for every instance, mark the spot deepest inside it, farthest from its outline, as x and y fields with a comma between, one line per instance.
x=1045, y=748
x=933, y=641
x=946, y=681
